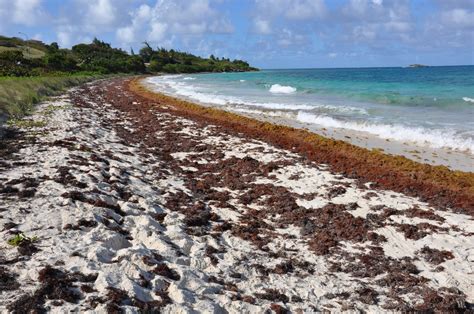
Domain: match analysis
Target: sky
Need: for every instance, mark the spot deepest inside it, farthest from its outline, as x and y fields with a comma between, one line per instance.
x=267, y=33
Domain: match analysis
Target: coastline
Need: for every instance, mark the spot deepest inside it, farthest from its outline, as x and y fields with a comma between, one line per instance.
x=399, y=173
x=453, y=159
x=134, y=201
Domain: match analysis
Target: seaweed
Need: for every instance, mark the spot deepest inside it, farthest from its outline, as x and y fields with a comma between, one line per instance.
x=7, y=280
x=435, y=256
x=163, y=270
x=272, y=295
x=55, y=285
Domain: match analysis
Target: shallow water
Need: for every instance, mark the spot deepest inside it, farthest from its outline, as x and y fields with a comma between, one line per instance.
x=431, y=106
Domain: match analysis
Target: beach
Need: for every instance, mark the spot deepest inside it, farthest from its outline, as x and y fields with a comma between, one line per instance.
x=421, y=113
x=131, y=200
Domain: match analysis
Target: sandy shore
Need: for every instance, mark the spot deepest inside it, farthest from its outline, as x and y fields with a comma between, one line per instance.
x=453, y=159
x=127, y=203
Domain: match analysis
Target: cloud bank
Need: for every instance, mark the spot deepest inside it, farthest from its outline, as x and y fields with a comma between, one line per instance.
x=286, y=32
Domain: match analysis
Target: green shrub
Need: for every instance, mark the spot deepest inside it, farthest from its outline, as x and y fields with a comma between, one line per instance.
x=21, y=238
x=18, y=94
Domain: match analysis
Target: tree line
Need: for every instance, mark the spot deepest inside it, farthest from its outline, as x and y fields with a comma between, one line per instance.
x=101, y=57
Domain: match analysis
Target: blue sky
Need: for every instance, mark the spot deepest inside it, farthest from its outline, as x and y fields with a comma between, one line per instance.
x=267, y=33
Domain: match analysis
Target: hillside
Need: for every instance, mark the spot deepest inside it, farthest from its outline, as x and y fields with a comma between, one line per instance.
x=35, y=58
x=31, y=49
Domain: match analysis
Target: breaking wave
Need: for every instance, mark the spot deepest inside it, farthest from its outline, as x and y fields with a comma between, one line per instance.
x=434, y=138
x=281, y=89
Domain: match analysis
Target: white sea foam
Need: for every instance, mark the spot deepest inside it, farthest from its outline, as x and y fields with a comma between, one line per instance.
x=320, y=114
x=468, y=99
x=281, y=89
x=187, y=78
x=241, y=80
x=169, y=85
x=271, y=113
x=433, y=138
x=164, y=83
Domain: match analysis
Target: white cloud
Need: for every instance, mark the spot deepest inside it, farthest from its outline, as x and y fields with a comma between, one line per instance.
x=306, y=27
x=305, y=9
x=126, y=34
x=161, y=22
x=262, y=26
x=158, y=31
x=287, y=38
x=100, y=12
x=458, y=17
x=21, y=12
x=364, y=32
x=270, y=16
x=143, y=12
x=221, y=26
x=290, y=9
x=377, y=22
x=27, y=12
x=64, y=38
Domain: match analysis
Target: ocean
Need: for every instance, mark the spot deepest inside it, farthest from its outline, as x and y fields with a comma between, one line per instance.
x=429, y=106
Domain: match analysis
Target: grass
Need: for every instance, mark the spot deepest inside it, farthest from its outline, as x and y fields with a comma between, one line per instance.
x=28, y=52
x=26, y=124
x=21, y=238
x=51, y=109
x=19, y=94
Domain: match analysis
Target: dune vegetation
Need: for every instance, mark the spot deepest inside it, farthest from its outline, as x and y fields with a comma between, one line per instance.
x=31, y=70
x=19, y=94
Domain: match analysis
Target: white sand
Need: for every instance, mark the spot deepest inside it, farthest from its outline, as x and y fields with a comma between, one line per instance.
x=118, y=261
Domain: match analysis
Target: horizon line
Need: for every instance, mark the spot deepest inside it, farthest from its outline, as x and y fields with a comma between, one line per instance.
x=365, y=67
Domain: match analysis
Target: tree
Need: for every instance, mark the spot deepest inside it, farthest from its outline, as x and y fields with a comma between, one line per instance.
x=53, y=46
x=135, y=64
x=146, y=53
x=60, y=61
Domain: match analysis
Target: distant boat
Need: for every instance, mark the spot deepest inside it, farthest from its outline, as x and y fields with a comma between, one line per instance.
x=416, y=65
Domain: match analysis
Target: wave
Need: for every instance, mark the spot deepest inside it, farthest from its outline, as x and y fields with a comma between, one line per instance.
x=271, y=113
x=166, y=83
x=281, y=89
x=468, y=99
x=418, y=135
x=187, y=78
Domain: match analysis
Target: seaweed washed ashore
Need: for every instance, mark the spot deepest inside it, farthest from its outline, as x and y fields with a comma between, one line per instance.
x=123, y=199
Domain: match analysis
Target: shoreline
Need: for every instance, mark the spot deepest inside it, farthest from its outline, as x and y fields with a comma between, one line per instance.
x=112, y=202
x=453, y=159
x=398, y=173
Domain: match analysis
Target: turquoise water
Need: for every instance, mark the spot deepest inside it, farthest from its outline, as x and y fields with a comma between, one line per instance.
x=431, y=106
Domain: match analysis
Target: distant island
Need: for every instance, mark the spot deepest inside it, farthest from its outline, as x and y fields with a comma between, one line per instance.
x=20, y=57
x=416, y=65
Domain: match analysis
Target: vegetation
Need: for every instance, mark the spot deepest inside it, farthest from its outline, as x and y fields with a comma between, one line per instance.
x=26, y=124
x=20, y=239
x=18, y=94
x=31, y=69
x=172, y=61
x=97, y=57
x=35, y=58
